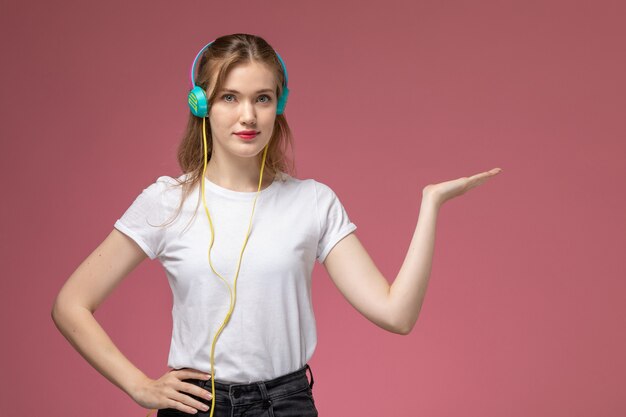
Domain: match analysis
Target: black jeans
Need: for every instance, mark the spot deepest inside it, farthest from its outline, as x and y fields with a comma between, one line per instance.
x=290, y=395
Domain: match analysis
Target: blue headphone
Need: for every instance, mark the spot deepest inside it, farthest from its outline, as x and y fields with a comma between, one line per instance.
x=197, y=98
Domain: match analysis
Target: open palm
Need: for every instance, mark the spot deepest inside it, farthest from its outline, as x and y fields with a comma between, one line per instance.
x=447, y=190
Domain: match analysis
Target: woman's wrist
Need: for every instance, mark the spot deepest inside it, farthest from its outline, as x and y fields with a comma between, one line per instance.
x=135, y=385
x=430, y=198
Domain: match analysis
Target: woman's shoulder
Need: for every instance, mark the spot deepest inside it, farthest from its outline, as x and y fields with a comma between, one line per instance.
x=165, y=186
x=168, y=182
x=320, y=189
x=167, y=179
x=320, y=186
x=295, y=182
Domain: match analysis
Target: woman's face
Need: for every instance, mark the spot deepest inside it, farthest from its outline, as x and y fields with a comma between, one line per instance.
x=247, y=101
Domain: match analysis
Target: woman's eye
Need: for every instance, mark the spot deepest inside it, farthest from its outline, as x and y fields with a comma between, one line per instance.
x=227, y=98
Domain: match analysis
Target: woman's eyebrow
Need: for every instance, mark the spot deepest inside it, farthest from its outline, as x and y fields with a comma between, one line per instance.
x=265, y=90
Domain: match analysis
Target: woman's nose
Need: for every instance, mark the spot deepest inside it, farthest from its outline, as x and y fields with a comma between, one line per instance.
x=248, y=113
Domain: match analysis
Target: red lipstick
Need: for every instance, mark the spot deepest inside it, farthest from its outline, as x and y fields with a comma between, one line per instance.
x=247, y=134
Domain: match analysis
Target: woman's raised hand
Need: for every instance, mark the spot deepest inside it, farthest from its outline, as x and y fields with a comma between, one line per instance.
x=447, y=190
x=168, y=391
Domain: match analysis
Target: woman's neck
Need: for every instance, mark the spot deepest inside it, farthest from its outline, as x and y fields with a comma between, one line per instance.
x=233, y=180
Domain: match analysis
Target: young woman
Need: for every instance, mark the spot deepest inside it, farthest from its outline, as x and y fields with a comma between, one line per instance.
x=257, y=306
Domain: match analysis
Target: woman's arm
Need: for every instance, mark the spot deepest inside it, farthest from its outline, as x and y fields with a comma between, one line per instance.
x=81, y=295
x=407, y=292
x=396, y=307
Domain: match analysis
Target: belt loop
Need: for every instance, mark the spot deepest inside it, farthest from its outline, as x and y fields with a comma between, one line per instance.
x=267, y=400
x=311, y=373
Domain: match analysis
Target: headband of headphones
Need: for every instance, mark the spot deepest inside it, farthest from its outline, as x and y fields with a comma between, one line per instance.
x=197, y=98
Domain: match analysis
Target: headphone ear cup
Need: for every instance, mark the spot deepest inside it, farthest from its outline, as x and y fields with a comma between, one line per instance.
x=198, y=103
x=282, y=101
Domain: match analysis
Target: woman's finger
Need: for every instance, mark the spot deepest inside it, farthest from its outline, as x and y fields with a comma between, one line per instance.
x=189, y=403
x=482, y=176
x=194, y=390
x=187, y=373
x=486, y=173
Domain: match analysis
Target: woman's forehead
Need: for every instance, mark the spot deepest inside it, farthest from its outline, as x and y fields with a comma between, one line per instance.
x=250, y=77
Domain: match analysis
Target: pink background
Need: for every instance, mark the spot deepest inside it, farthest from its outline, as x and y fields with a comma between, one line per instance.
x=525, y=312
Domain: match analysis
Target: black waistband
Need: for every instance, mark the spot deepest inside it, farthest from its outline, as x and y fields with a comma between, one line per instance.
x=269, y=384
x=238, y=393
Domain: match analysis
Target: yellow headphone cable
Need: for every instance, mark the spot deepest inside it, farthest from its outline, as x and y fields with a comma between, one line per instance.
x=233, y=294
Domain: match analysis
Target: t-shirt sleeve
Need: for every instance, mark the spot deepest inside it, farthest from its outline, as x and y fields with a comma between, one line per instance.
x=142, y=220
x=333, y=219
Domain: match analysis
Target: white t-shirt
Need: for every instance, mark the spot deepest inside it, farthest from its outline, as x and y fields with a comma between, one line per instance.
x=271, y=331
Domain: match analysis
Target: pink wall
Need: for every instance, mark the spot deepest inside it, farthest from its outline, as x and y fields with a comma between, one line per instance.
x=525, y=311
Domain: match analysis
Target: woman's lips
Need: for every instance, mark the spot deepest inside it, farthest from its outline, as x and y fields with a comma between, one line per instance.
x=246, y=136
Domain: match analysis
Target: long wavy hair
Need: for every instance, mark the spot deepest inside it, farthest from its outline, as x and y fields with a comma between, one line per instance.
x=214, y=65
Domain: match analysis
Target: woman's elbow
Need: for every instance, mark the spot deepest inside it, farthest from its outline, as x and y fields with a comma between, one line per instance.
x=404, y=328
